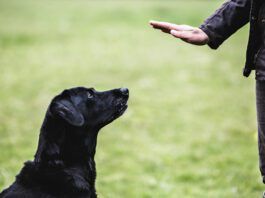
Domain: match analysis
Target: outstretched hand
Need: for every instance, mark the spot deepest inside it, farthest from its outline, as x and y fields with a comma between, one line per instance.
x=187, y=33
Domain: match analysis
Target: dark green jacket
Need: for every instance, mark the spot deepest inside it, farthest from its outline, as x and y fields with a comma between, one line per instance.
x=231, y=16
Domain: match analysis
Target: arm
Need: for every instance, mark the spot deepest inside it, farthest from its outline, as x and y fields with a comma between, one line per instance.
x=216, y=29
x=231, y=16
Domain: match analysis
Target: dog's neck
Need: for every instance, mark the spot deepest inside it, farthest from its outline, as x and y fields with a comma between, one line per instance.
x=64, y=148
x=64, y=142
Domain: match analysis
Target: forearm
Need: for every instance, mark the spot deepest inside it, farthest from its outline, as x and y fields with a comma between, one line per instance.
x=231, y=16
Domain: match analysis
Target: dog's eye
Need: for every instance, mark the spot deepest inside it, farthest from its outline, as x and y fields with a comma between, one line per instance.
x=89, y=95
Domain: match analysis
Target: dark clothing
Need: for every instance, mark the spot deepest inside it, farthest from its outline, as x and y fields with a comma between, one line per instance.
x=260, y=62
x=221, y=25
x=231, y=16
x=260, y=95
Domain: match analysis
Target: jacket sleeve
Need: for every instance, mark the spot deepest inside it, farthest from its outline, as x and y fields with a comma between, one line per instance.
x=231, y=16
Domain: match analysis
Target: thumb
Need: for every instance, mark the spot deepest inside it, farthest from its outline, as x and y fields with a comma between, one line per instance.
x=180, y=34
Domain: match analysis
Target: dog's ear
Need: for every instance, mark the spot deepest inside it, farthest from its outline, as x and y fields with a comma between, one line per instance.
x=67, y=111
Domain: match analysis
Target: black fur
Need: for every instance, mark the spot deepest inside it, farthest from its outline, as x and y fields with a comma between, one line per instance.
x=64, y=163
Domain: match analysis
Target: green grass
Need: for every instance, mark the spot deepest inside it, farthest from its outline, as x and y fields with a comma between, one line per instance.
x=190, y=130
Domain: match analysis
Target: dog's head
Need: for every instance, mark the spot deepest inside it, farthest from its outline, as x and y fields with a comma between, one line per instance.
x=86, y=107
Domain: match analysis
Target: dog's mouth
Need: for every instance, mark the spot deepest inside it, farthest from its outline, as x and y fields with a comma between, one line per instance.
x=121, y=108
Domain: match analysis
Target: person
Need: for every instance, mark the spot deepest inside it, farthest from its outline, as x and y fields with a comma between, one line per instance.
x=226, y=20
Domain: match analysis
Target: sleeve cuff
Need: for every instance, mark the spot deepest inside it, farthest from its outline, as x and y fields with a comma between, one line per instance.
x=213, y=44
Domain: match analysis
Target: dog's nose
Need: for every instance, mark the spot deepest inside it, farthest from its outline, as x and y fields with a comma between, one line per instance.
x=124, y=91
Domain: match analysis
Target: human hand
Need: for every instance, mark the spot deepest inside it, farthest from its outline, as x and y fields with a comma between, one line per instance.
x=186, y=33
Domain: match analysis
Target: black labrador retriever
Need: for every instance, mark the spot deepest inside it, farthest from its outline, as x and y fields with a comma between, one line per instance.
x=64, y=163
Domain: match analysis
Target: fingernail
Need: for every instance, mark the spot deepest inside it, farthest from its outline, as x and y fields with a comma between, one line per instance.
x=152, y=21
x=173, y=31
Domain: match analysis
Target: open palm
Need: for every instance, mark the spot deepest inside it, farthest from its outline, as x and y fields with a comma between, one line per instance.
x=187, y=33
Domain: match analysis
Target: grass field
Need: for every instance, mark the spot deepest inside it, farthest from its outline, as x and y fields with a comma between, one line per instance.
x=190, y=130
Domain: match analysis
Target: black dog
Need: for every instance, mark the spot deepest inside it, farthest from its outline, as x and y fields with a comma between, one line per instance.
x=64, y=163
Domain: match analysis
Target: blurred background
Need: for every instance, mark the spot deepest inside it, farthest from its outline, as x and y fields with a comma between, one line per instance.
x=190, y=130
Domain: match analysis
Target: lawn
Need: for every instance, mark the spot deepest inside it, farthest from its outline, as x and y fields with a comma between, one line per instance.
x=190, y=130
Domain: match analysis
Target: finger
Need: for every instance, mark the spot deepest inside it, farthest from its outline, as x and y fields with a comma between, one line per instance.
x=164, y=25
x=181, y=34
x=163, y=29
x=153, y=22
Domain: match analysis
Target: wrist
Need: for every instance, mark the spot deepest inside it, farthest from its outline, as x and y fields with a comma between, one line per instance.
x=205, y=37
